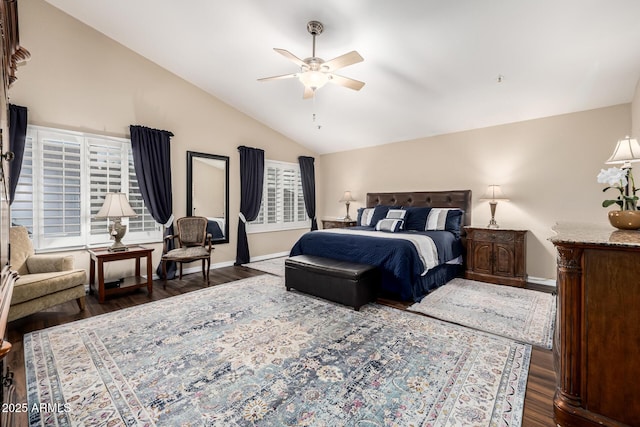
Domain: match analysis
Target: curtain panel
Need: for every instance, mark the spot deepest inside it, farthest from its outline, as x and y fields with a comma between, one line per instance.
x=17, y=138
x=251, y=183
x=307, y=174
x=152, y=163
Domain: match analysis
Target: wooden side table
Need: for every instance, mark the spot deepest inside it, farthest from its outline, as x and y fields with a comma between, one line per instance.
x=337, y=223
x=101, y=255
x=496, y=255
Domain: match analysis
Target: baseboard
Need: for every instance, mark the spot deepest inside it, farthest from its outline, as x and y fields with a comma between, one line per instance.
x=263, y=257
x=541, y=281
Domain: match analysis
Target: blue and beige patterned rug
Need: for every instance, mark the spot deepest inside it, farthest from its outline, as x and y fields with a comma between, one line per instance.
x=521, y=314
x=250, y=353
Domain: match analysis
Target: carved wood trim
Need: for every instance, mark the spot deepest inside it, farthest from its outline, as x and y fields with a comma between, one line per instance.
x=13, y=54
x=569, y=328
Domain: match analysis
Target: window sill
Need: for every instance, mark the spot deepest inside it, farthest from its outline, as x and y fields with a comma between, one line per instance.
x=276, y=227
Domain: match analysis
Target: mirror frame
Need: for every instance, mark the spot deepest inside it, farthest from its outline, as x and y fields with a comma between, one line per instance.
x=190, y=156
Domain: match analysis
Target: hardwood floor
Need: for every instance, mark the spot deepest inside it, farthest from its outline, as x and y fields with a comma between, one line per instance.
x=538, y=409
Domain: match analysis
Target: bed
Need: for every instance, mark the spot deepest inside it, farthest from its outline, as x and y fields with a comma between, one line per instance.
x=411, y=265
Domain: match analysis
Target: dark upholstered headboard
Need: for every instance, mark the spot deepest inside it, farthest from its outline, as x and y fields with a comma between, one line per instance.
x=433, y=199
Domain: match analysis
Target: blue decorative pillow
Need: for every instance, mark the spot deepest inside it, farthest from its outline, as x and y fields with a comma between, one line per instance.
x=365, y=217
x=380, y=213
x=416, y=218
x=445, y=219
x=391, y=225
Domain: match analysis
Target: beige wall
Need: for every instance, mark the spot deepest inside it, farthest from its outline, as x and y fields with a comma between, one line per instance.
x=79, y=79
x=547, y=167
x=635, y=113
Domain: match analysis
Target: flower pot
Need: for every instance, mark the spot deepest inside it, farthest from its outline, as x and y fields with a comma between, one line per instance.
x=625, y=220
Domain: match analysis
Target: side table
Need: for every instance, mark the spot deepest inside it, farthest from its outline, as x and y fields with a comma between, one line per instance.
x=337, y=223
x=101, y=255
x=497, y=255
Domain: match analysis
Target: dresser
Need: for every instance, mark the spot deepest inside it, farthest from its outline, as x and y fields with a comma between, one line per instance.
x=496, y=255
x=337, y=223
x=597, y=337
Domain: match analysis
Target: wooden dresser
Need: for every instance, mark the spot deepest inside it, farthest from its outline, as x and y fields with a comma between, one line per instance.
x=597, y=339
x=497, y=255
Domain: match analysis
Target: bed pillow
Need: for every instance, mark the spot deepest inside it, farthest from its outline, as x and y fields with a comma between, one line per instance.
x=445, y=219
x=396, y=214
x=416, y=218
x=381, y=213
x=388, y=224
x=365, y=216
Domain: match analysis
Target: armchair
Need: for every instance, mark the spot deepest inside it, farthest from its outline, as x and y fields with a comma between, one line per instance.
x=194, y=243
x=45, y=280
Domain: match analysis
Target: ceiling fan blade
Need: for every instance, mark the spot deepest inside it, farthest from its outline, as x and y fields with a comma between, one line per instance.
x=284, y=76
x=346, y=82
x=308, y=93
x=342, y=61
x=290, y=56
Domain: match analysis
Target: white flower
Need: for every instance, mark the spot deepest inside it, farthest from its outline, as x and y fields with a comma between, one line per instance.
x=613, y=177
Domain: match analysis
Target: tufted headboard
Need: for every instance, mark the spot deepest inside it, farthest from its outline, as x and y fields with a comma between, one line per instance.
x=433, y=199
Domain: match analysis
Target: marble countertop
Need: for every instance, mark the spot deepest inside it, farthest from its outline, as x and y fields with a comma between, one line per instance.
x=598, y=234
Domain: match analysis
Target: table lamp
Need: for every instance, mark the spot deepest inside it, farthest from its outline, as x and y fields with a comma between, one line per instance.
x=493, y=194
x=347, y=198
x=626, y=152
x=116, y=206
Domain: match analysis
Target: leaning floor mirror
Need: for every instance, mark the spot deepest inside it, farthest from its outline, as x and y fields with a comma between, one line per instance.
x=208, y=192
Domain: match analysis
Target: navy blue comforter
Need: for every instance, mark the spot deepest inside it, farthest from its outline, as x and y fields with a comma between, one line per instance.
x=397, y=259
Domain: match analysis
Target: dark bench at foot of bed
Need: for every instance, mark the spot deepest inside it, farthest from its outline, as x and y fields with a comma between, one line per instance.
x=343, y=282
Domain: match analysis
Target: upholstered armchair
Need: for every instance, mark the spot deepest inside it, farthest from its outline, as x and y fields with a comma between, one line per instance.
x=193, y=243
x=45, y=280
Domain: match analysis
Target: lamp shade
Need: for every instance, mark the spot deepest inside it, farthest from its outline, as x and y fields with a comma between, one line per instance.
x=627, y=151
x=347, y=197
x=494, y=193
x=115, y=205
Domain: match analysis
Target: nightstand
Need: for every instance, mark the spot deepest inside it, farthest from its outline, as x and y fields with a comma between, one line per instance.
x=496, y=255
x=337, y=223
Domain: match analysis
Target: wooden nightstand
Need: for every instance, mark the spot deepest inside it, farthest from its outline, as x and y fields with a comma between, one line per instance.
x=337, y=223
x=496, y=255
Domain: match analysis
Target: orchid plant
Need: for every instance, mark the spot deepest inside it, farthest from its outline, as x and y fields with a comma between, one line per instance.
x=622, y=180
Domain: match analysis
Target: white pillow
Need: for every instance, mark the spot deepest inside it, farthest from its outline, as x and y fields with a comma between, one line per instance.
x=391, y=225
x=396, y=214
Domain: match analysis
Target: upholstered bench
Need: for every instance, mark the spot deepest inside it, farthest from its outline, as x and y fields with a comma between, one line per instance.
x=343, y=282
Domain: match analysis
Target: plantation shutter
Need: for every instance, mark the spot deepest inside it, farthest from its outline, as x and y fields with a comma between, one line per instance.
x=144, y=221
x=105, y=176
x=283, y=198
x=22, y=206
x=61, y=178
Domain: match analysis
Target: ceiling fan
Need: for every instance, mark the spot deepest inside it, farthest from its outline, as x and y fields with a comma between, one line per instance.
x=315, y=72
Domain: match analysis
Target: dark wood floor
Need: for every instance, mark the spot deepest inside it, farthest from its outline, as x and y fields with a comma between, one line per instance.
x=538, y=409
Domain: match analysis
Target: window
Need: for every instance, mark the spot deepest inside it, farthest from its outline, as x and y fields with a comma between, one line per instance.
x=64, y=178
x=282, y=199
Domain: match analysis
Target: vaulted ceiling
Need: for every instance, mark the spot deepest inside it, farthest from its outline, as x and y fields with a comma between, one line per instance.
x=430, y=66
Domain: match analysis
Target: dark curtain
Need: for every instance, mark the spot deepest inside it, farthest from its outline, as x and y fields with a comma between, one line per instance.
x=152, y=163
x=307, y=173
x=251, y=181
x=17, y=138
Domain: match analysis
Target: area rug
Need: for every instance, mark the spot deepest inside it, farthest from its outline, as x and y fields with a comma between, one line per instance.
x=521, y=314
x=272, y=265
x=250, y=353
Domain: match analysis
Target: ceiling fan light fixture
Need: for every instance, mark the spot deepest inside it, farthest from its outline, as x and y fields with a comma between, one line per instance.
x=315, y=72
x=313, y=79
